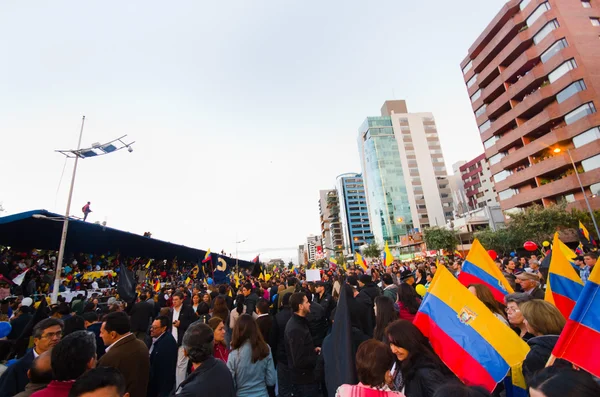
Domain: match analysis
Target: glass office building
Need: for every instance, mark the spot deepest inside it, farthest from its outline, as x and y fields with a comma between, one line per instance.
x=386, y=192
x=353, y=211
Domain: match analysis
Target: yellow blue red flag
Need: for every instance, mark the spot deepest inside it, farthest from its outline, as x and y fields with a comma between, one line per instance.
x=478, y=347
x=479, y=268
x=579, y=342
x=358, y=259
x=388, y=258
x=564, y=284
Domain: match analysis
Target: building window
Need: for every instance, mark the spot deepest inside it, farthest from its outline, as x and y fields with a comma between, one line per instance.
x=595, y=188
x=562, y=70
x=595, y=21
x=471, y=81
x=502, y=175
x=586, y=4
x=571, y=90
x=485, y=126
x=481, y=110
x=496, y=158
x=553, y=50
x=580, y=112
x=490, y=142
x=591, y=164
x=524, y=4
x=542, y=8
x=543, y=32
x=475, y=96
x=506, y=194
x=586, y=137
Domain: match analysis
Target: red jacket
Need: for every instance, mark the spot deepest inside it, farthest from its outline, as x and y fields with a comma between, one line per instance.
x=221, y=352
x=55, y=389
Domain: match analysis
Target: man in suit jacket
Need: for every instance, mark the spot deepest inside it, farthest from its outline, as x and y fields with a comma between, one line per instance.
x=46, y=334
x=141, y=315
x=125, y=353
x=181, y=316
x=264, y=321
x=163, y=359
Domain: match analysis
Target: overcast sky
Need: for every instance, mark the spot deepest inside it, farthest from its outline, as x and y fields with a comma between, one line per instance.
x=241, y=110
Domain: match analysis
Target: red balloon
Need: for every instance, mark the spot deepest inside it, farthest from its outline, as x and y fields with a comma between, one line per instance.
x=492, y=254
x=530, y=246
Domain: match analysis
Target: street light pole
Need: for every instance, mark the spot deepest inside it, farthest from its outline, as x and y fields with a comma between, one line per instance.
x=587, y=202
x=63, y=239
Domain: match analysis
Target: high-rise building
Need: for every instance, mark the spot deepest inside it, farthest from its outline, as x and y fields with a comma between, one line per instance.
x=354, y=212
x=331, y=225
x=313, y=248
x=404, y=174
x=532, y=76
x=477, y=183
x=302, y=256
x=457, y=189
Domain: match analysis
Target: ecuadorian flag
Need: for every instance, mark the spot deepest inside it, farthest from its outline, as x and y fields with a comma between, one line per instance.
x=207, y=257
x=478, y=347
x=388, y=258
x=579, y=341
x=332, y=263
x=564, y=284
x=479, y=268
x=360, y=261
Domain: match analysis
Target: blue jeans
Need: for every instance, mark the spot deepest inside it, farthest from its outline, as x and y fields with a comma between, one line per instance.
x=310, y=390
x=284, y=381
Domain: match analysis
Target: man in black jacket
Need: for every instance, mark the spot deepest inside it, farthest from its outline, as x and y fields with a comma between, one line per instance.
x=368, y=288
x=141, y=315
x=163, y=359
x=209, y=377
x=301, y=352
x=250, y=298
x=323, y=298
x=317, y=322
x=277, y=342
x=181, y=316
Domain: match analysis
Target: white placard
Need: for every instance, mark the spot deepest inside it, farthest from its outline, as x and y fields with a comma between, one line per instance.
x=313, y=275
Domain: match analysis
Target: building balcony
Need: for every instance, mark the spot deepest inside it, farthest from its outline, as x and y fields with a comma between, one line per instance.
x=501, y=38
x=521, y=88
x=566, y=184
x=529, y=83
x=553, y=137
x=551, y=115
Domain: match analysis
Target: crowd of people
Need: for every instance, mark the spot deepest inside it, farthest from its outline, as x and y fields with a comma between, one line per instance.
x=257, y=335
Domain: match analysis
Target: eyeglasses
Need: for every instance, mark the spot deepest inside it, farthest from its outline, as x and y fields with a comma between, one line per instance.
x=52, y=335
x=510, y=310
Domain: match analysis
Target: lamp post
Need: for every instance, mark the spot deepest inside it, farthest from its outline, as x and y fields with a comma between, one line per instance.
x=236, y=252
x=96, y=150
x=587, y=202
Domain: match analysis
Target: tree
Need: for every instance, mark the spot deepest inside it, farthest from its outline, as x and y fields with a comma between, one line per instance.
x=372, y=250
x=341, y=260
x=503, y=241
x=539, y=224
x=437, y=238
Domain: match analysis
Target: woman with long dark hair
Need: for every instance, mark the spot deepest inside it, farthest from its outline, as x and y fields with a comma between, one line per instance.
x=408, y=302
x=385, y=313
x=418, y=371
x=483, y=293
x=250, y=361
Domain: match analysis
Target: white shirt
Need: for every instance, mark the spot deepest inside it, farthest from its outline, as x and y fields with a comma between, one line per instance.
x=115, y=342
x=175, y=318
x=95, y=285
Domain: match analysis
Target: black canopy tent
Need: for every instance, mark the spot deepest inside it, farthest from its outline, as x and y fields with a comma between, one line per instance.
x=41, y=229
